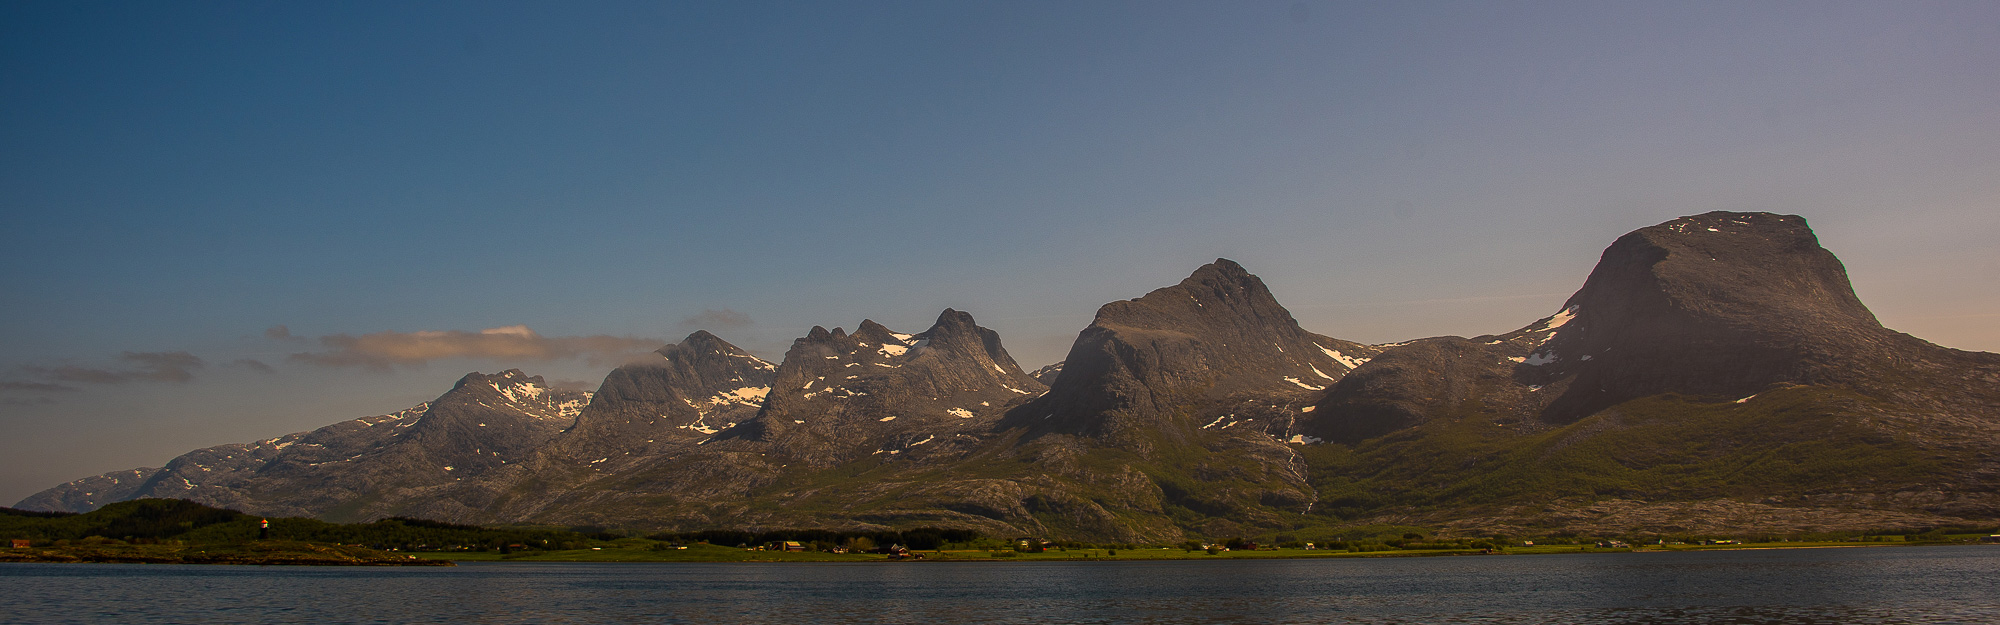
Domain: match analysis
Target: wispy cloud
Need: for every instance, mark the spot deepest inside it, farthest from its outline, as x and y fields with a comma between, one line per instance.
x=147, y=366
x=382, y=350
x=36, y=386
x=281, y=333
x=712, y=319
x=252, y=364
x=140, y=367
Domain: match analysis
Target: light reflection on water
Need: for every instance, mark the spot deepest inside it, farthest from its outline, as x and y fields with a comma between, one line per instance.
x=1801, y=586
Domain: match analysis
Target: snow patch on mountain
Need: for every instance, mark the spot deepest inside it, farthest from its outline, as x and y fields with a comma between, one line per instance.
x=518, y=392
x=1350, y=362
x=747, y=396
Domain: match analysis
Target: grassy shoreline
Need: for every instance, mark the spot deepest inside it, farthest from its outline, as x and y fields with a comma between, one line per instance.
x=260, y=552
x=170, y=531
x=712, y=553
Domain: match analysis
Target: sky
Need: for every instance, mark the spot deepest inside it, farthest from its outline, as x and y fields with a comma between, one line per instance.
x=225, y=222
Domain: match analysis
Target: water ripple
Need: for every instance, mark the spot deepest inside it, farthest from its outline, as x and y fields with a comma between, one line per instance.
x=1894, y=586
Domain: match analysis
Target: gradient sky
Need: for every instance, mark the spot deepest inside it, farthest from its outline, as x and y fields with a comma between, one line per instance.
x=177, y=180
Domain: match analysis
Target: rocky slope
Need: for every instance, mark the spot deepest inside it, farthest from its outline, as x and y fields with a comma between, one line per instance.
x=697, y=387
x=1706, y=359
x=1169, y=414
x=1213, y=352
x=872, y=400
x=842, y=397
x=1714, y=373
x=372, y=467
x=92, y=492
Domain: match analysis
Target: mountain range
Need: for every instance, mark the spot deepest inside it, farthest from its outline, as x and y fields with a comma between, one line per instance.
x=1715, y=373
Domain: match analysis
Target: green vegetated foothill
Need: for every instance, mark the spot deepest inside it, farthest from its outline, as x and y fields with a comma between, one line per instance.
x=173, y=531
x=166, y=531
x=1785, y=442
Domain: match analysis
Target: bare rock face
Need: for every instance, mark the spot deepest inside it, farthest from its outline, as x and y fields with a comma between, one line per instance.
x=1696, y=348
x=411, y=462
x=1047, y=374
x=636, y=450
x=1216, y=346
x=1409, y=384
x=1719, y=304
x=489, y=420
x=695, y=388
x=885, y=403
x=841, y=397
x=92, y=492
x=1178, y=403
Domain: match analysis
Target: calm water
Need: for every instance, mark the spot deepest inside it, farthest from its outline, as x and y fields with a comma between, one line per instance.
x=1882, y=585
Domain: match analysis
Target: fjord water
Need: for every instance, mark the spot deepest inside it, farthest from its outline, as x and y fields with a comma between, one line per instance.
x=1877, y=585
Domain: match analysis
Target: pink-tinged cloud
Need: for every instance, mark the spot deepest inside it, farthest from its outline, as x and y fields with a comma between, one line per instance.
x=381, y=350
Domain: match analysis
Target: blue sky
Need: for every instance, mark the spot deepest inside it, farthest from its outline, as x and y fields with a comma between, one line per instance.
x=185, y=177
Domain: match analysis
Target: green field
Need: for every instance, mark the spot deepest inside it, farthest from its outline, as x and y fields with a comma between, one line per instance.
x=175, y=531
x=258, y=552
x=635, y=551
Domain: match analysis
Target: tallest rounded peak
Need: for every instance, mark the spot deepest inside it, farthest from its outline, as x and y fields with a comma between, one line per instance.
x=1724, y=226
x=1728, y=269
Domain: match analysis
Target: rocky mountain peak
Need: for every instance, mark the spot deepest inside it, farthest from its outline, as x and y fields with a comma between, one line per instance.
x=1720, y=303
x=1718, y=306
x=1742, y=268
x=1222, y=269
x=1190, y=352
x=955, y=331
x=696, y=388
x=510, y=377
x=512, y=390
x=1217, y=296
x=486, y=418
x=871, y=332
x=838, y=396
x=705, y=360
x=701, y=341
